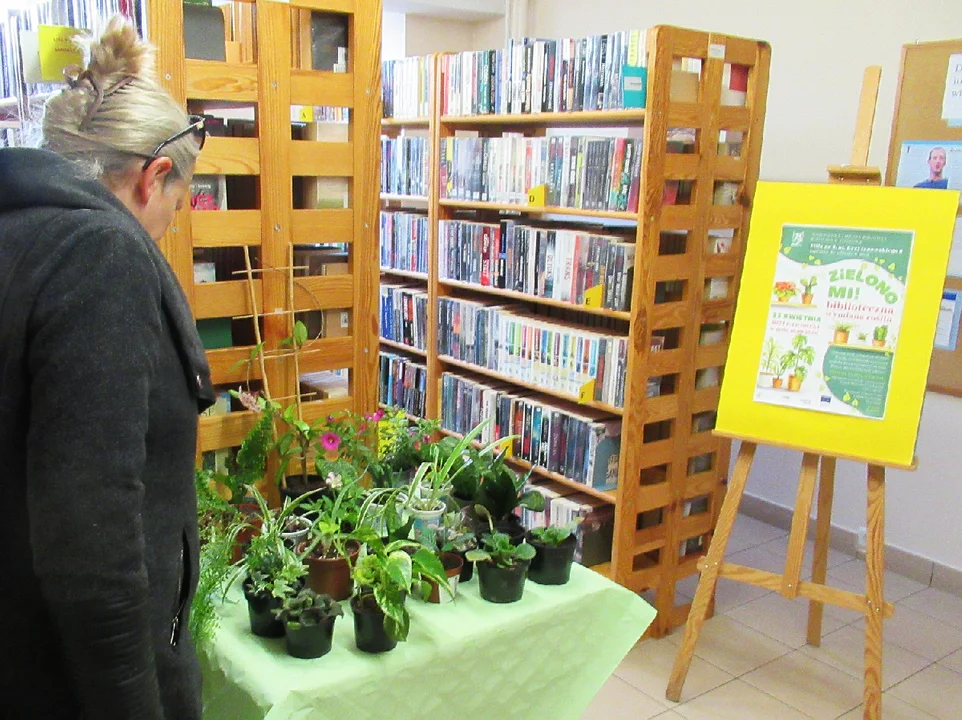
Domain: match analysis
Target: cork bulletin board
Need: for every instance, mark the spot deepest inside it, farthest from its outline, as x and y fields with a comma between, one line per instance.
x=928, y=118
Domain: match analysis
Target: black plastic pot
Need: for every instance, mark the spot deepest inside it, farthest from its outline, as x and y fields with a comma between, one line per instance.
x=260, y=608
x=296, y=487
x=467, y=569
x=510, y=526
x=369, y=633
x=310, y=641
x=552, y=565
x=502, y=585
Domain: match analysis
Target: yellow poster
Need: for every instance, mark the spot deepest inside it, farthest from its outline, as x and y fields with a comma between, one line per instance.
x=58, y=51
x=836, y=318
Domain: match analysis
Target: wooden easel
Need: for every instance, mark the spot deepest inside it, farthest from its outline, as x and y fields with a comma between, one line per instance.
x=789, y=584
x=815, y=468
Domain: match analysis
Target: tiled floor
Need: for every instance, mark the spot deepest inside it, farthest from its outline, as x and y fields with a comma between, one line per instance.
x=752, y=662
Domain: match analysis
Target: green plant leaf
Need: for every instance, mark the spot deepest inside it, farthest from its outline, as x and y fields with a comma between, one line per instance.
x=300, y=333
x=399, y=568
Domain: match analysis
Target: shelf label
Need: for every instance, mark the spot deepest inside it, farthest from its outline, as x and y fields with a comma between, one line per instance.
x=587, y=392
x=593, y=296
x=538, y=195
x=307, y=113
x=506, y=446
x=716, y=50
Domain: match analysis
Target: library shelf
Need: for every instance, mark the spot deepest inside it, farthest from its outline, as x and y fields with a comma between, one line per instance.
x=470, y=367
x=538, y=209
x=390, y=197
x=410, y=274
x=402, y=346
x=606, y=495
x=406, y=122
x=589, y=118
x=604, y=312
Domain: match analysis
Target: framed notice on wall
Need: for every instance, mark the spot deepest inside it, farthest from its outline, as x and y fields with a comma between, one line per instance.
x=840, y=297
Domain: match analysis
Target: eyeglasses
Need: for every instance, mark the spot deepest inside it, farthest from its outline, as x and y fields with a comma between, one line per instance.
x=197, y=128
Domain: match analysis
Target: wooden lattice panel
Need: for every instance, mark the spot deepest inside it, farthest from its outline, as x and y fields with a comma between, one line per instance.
x=274, y=43
x=661, y=452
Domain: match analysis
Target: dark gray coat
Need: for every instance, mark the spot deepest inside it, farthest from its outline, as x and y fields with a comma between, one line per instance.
x=101, y=378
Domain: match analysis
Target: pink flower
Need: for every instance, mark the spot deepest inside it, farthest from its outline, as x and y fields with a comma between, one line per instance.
x=330, y=441
x=249, y=400
x=378, y=415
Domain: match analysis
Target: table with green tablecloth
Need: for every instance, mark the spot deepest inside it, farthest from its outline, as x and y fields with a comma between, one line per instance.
x=543, y=657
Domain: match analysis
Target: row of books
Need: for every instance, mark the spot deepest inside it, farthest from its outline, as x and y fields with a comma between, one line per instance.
x=533, y=75
x=404, y=165
x=561, y=358
x=564, y=505
x=589, y=173
x=406, y=87
x=404, y=315
x=582, y=446
x=403, y=383
x=576, y=266
x=404, y=241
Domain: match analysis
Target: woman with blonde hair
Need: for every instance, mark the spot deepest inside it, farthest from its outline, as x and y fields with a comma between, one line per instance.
x=102, y=375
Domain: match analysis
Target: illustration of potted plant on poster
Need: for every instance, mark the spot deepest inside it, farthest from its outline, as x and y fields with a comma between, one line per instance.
x=785, y=290
x=798, y=360
x=768, y=372
x=842, y=331
x=808, y=284
x=879, y=336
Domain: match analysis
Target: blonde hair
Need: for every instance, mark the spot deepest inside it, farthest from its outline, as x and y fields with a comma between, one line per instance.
x=115, y=111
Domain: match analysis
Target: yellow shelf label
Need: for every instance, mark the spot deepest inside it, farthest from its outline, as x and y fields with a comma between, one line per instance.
x=307, y=113
x=538, y=195
x=507, y=447
x=587, y=392
x=593, y=297
x=58, y=51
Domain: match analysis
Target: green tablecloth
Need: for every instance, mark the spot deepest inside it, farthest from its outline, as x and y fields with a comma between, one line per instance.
x=543, y=657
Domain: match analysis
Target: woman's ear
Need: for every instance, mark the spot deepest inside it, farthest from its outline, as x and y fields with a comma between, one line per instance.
x=153, y=178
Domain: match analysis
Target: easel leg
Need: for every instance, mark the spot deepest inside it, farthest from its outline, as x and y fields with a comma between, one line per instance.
x=874, y=579
x=709, y=576
x=796, y=539
x=823, y=528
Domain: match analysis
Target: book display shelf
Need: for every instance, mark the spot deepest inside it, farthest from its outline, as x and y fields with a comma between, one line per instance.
x=302, y=255
x=650, y=206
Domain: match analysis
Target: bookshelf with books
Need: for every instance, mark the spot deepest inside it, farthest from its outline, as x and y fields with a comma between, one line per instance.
x=585, y=247
x=408, y=222
x=284, y=205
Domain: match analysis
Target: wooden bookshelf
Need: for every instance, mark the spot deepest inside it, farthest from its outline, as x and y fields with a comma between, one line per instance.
x=538, y=210
x=536, y=299
x=409, y=274
x=401, y=346
x=388, y=197
x=586, y=118
x=665, y=460
x=272, y=84
x=422, y=122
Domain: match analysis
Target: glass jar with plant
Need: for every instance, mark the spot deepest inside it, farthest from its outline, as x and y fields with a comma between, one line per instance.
x=385, y=575
x=502, y=565
x=554, y=553
x=308, y=620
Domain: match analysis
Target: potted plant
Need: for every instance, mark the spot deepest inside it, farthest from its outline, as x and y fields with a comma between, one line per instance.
x=842, y=331
x=385, y=575
x=445, y=543
x=554, y=553
x=799, y=358
x=331, y=548
x=271, y=569
x=863, y=337
x=502, y=565
x=308, y=620
x=433, y=482
x=297, y=442
x=502, y=492
x=769, y=365
x=807, y=295
x=784, y=362
x=456, y=535
x=384, y=511
x=402, y=446
x=879, y=335
x=785, y=290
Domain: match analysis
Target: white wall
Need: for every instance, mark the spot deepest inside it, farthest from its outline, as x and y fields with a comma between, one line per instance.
x=393, y=36
x=435, y=34
x=819, y=51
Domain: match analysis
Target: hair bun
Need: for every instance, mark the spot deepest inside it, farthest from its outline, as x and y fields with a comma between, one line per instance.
x=120, y=51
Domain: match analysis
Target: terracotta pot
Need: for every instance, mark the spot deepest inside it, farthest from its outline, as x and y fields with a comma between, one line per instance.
x=878, y=343
x=777, y=383
x=807, y=298
x=332, y=576
x=794, y=383
x=841, y=337
x=452, y=568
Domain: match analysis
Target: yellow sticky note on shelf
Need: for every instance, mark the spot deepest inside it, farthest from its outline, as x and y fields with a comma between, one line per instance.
x=593, y=297
x=58, y=51
x=587, y=392
x=506, y=446
x=538, y=195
